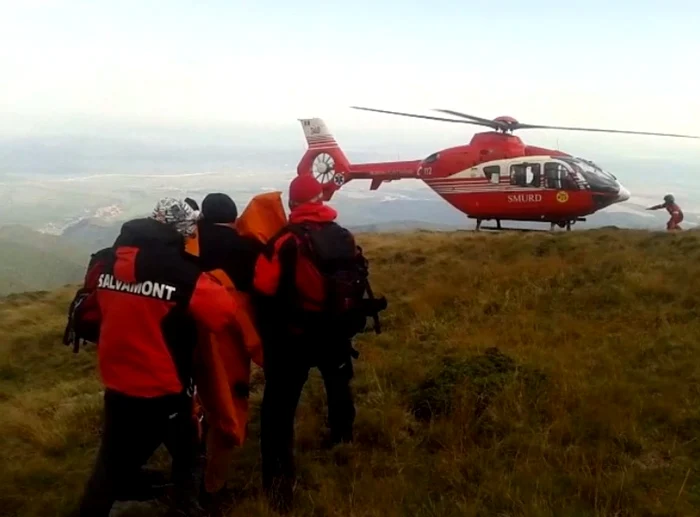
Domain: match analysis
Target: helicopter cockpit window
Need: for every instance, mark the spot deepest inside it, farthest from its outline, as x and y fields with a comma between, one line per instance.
x=597, y=178
x=525, y=175
x=431, y=158
x=493, y=173
x=590, y=166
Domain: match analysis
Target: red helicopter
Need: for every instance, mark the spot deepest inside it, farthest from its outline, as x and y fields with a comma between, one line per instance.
x=494, y=177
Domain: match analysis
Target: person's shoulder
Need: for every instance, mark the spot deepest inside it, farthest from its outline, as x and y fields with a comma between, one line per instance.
x=101, y=255
x=345, y=228
x=171, y=267
x=341, y=229
x=285, y=234
x=216, y=229
x=250, y=243
x=232, y=238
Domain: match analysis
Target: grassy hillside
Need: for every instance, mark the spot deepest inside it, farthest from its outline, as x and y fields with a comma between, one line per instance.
x=518, y=375
x=31, y=261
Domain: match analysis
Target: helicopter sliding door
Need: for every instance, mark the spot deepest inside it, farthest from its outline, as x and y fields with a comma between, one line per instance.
x=526, y=175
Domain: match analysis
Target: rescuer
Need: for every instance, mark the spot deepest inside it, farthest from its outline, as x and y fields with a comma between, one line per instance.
x=150, y=301
x=312, y=279
x=673, y=209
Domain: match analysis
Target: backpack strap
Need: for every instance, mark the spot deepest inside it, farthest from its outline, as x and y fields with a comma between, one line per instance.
x=302, y=232
x=99, y=260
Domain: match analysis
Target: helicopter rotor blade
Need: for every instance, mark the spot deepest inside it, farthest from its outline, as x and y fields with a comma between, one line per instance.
x=490, y=124
x=594, y=130
x=504, y=126
x=484, y=121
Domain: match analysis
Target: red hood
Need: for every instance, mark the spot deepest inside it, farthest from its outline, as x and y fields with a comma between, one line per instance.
x=312, y=213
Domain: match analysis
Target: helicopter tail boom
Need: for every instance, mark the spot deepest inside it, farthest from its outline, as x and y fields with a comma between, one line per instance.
x=327, y=162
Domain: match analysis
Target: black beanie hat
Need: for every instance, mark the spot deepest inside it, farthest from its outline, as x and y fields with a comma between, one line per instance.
x=219, y=208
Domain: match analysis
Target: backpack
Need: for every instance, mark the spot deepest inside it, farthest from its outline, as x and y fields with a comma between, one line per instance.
x=83, y=312
x=345, y=271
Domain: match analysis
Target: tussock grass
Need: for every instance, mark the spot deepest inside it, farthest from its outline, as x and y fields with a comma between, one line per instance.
x=517, y=375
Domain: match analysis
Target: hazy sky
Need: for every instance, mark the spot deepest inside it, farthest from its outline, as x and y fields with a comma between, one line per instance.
x=72, y=66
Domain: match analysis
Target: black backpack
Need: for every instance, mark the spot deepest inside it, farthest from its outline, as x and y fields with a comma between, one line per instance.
x=84, y=313
x=348, y=300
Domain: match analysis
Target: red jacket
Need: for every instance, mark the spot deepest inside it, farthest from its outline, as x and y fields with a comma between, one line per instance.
x=675, y=211
x=672, y=208
x=150, y=299
x=284, y=252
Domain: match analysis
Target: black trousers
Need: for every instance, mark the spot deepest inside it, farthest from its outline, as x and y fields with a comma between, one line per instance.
x=287, y=366
x=134, y=428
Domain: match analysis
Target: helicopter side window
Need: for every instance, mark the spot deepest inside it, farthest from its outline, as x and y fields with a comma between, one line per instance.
x=525, y=175
x=557, y=177
x=493, y=173
x=553, y=173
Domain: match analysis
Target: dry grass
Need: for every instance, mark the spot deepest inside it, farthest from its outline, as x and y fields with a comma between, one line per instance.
x=589, y=404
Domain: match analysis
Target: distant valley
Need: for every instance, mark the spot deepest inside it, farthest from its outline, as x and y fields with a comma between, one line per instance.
x=54, y=212
x=34, y=260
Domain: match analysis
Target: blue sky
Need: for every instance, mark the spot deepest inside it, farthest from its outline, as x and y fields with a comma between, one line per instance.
x=71, y=66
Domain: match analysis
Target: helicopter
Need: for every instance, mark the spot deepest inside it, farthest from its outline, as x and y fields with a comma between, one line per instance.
x=496, y=176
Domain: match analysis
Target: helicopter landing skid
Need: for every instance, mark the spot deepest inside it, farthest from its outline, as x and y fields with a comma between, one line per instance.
x=503, y=229
x=553, y=226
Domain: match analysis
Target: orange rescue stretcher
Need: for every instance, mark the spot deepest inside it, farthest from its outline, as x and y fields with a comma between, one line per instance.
x=223, y=361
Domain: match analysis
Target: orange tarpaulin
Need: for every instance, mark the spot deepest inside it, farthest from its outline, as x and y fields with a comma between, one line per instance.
x=263, y=217
x=222, y=362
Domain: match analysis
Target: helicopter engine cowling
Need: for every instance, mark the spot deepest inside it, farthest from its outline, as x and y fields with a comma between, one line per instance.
x=497, y=146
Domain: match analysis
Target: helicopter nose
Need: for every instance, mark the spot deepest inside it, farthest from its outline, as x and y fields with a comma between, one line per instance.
x=622, y=195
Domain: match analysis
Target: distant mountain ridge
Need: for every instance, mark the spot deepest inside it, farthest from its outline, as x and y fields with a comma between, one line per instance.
x=31, y=261
x=92, y=233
